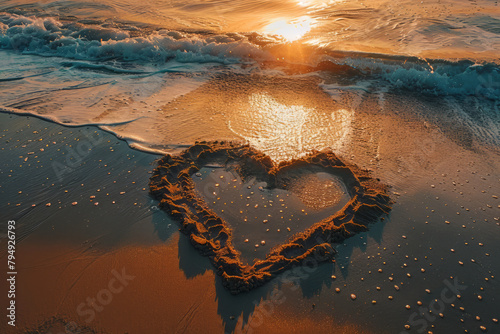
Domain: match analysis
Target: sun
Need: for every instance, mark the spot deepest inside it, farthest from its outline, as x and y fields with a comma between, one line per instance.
x=291, y=31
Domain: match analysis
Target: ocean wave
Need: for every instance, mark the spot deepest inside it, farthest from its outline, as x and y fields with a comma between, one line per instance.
x=47, y=36
x=435, y=77
x=50, y=37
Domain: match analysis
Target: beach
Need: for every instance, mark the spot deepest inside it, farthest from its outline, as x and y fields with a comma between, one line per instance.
x=134, y=210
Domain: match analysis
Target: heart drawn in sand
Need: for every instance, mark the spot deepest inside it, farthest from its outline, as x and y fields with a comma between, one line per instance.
x=173, y=184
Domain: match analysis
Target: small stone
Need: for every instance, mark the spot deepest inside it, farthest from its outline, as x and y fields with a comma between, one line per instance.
x=263, y=243
x=353, y=296
x=74, y=203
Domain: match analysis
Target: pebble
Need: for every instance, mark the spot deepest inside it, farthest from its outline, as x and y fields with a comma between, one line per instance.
x=353, y=296
x=74, y=203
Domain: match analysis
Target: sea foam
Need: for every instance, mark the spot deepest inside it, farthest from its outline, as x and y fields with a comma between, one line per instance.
x=50, y=37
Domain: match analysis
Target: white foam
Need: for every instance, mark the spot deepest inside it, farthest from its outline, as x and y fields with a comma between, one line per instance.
x=50, y=37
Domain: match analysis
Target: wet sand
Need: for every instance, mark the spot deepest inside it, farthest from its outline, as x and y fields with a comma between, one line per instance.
x=443, y=226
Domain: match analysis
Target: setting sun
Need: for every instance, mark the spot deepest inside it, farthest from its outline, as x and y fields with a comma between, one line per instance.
x=291, y=31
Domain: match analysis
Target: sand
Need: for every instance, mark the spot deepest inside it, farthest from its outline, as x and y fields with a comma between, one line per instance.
x=172, y=184
x=67, y=252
